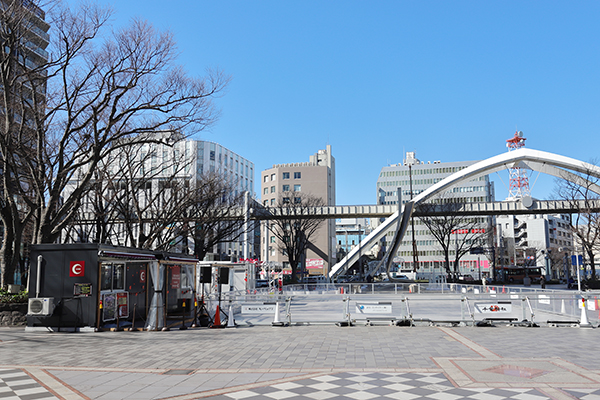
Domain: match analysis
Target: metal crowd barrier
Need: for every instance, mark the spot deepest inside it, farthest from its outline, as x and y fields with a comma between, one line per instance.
x=409, y=304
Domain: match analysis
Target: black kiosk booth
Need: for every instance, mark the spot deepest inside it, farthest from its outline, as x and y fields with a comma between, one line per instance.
x=94, y=286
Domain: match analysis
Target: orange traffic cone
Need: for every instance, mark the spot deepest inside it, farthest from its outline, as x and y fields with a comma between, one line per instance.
x=503, y=289
x=217, y=320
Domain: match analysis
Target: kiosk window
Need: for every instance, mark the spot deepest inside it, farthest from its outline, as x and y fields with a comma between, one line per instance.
x=106, y=277
x=113, y=277
x=119, y=277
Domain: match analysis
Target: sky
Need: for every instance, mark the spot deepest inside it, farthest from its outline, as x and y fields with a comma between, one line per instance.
x=450, y=80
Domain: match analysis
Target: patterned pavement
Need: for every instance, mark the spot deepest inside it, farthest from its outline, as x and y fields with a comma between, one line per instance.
x=303, y=362
x=17, y=384
x=376, y=385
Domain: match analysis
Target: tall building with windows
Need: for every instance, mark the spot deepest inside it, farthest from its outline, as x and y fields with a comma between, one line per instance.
x=413, y=177
x=211, y=157
x=24, y=37
x=315, y=177
x=150, y=169
x=535, y=240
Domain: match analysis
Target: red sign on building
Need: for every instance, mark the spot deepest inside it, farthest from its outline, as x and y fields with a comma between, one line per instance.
x=314, y=263
x=175, y=277
x=76, y=268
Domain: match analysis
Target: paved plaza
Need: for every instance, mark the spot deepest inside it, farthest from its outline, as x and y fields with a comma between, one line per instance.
x=303, y=362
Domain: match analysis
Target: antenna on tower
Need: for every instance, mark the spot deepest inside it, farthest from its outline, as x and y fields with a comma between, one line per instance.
x=518, y=186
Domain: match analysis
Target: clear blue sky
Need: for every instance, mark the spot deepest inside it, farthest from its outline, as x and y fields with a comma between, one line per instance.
x=451, y=80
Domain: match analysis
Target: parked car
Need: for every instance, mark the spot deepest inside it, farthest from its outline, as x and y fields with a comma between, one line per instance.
x=403, y=278
x=343, y=279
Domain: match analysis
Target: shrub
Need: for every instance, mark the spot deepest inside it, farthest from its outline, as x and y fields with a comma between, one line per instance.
x=6, y=297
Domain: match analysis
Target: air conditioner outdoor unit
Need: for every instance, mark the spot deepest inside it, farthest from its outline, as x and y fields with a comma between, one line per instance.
x=41, y=306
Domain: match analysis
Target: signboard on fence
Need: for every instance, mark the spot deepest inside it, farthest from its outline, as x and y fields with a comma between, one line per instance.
x=264, y=308
x=374, y=308
x=544, y=299
x=591, y=304
x=498, y=307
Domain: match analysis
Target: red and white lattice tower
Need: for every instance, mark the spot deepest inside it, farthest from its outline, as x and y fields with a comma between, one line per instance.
x=518, y=186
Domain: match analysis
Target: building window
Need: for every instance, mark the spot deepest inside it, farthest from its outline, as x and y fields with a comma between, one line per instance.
x=297, y=188
x=272, y=202
x=286, y=188
x=266, y=203
x=286, y=200
x=272, y=239
x=273, y=177
x=297, y=200
x=272, y=189
x=286, y=175
x=266, y=178
x=297, y=175
x=266, y=191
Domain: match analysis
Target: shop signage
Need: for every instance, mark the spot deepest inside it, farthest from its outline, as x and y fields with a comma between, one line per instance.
x=109, y=306
x=76, y=268
x=374, y=308
x=143, y=276
x=175, y=277
x=265, y=308
x=498, y=307
x=122, y=305
x=82, y=290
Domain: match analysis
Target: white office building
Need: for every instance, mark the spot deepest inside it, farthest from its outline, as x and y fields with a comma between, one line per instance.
x=154, y=166
x=418, y=176
x=534, y=240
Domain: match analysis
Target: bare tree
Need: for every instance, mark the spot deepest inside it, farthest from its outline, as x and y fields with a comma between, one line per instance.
x=449, y=227
x=295, y=231
x=92, y=96
x=556, y=258
x=22, y=84
x=138, y=196
x=581, y=191
x=148, y=198
x=214, y=214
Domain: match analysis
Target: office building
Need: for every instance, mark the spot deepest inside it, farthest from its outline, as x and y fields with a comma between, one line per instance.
x=412, y=177
x=535, y=240
x=317, y=178
x=152, y=166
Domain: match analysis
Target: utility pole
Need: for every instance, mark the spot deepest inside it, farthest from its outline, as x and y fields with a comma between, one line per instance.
x=412, y=225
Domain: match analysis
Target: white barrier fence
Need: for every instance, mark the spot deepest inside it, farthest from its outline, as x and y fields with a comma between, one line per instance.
x=409, y=304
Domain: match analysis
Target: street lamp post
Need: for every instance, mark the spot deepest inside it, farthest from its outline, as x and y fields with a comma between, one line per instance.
x=547, y=263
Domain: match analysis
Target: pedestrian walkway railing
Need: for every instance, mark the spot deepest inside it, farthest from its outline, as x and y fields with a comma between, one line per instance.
x=403, y=304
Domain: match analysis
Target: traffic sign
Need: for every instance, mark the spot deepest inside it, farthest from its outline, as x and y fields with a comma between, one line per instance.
x=577, y=259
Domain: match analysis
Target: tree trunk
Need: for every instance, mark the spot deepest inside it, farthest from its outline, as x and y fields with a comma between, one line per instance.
x=10, y=252
x=294, y=267
x=7, y=264
x=590, y=254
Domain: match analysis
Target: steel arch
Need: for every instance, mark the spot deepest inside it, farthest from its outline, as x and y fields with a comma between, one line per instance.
x=537, y=160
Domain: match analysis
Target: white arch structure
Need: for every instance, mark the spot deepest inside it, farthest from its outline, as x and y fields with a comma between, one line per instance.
x=541, y=161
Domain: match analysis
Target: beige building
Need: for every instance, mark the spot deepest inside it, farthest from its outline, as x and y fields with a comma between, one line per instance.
x=315, y=177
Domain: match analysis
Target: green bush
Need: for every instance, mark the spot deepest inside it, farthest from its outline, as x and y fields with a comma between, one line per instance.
x=6, y=297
